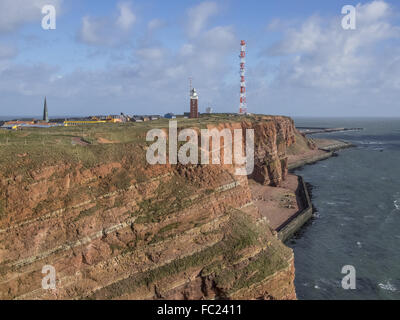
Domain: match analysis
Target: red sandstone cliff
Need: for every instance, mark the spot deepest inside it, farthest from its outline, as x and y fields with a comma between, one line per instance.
x=127, y=230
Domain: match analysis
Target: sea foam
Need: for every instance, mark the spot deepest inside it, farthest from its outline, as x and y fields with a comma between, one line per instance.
x=396, y=204
x=387, y=286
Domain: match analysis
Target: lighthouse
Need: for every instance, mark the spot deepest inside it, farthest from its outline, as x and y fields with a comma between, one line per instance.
x=194, y=104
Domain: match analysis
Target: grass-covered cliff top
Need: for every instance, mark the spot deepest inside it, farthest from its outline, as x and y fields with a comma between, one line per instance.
x=114, y=132
x=29, y=148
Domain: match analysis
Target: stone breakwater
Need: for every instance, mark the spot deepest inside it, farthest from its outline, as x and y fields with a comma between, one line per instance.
x=297, y=221
x=128, y=230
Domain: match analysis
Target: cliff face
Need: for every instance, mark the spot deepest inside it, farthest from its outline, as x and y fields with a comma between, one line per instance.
x=273, y=137
x=127, y=230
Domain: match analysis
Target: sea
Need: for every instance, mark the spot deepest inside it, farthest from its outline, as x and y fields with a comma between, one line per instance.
x=357, y=215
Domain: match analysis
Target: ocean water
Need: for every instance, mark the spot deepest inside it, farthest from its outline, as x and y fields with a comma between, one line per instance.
x=357, y=219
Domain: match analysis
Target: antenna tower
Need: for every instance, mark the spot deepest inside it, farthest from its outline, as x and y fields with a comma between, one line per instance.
x=243, y=101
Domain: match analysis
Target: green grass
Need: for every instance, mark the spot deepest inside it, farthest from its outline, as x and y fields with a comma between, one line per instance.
x=266, y=264
x=3, y=211
x=87, y=213
x=299, y=147
x=117, y=248
x=28, y=149
x=169, y=227
x=4, y=269
x=42, y=205
x=122, y=180
x=170, y=196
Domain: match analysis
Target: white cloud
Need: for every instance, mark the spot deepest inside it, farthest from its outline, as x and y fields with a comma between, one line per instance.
x=154, y=24
x=334, y=68
x=126, y=17
x=326, y=55
x=373, y=11
x=223, y=42
x=155, y=78
x=187, y=49
x=198, y=17
x=317, y=68
x=14, y=13
x=151, y=53
x=89, y=31
x=305, y=39
x=108, y=31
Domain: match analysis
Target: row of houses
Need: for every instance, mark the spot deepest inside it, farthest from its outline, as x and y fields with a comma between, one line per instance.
x=145, y=118
x=126, y=118
x=121, y=118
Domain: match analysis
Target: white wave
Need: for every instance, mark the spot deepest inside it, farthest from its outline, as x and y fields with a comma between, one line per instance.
x=387, y=286
x=396, y=204
x=365, y=143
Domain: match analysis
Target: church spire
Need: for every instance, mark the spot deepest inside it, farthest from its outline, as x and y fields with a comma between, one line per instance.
x=45, y=112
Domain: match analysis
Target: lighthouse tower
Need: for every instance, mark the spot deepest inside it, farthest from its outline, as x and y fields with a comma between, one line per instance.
x=194, y=104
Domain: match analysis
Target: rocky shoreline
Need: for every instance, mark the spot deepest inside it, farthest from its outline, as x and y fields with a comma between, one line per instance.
x=329, y=148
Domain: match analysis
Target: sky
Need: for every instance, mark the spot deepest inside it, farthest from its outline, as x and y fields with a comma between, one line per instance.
x=136, y=57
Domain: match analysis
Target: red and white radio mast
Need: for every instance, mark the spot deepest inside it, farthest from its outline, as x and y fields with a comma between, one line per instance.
x=243, y=102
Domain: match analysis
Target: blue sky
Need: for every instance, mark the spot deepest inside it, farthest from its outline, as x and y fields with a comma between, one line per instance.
x=136, y=57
